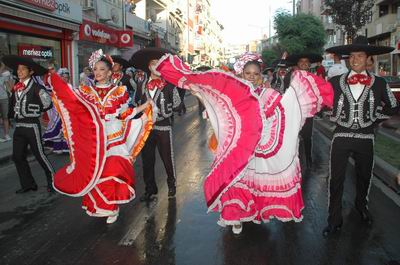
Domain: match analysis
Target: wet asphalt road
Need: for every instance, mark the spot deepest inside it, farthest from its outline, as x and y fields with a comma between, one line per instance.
x=39, y=228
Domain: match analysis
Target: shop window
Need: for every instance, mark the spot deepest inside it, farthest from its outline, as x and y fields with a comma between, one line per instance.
x=383, y=10
x=42, y=51
x=384, y=68
x=4, y=48
x=394, y=8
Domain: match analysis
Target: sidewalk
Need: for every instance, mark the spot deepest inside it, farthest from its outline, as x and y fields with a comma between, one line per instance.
x=5, y=148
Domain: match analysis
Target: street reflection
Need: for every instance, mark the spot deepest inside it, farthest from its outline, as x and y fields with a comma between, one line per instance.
x=159, y=247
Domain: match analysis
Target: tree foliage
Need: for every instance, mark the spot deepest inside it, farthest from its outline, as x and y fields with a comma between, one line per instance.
x=269, y=55
x=299, y=33
x=352, y=15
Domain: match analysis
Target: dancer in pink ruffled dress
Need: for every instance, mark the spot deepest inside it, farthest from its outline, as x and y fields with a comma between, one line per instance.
x=256, y=173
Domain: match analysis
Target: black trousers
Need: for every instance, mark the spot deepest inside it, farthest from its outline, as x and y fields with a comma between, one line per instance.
x=306, y=135
x=163, y=141
x=363, y=154
x=29, y=134
x=182, y=107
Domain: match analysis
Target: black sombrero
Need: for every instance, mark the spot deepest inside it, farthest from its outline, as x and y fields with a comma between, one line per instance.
x=12, y=61
x=360, y=44
x=118, y=59
x=270, y=68
x=141, y=59
x=312, y=57
x=203, y=68
x=278, y=63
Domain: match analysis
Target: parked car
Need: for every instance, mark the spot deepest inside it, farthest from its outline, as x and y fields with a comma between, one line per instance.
x=394, y=84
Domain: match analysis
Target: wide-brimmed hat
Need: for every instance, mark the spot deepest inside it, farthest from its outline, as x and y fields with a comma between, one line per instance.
x=360, y=44
x=312, y=57
x=12, y=61
x=203, y=68
x=278, y=63
x=118, y=59
x=141, y=59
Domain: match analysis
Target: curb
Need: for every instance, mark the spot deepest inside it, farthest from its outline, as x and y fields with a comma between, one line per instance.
x=383, y=170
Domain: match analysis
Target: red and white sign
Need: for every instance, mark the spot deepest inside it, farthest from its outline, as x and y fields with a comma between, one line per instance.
x=45, y=4
x=101, y=34
x=35, y=51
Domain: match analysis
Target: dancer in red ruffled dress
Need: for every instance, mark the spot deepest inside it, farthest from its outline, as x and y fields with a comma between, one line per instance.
x=104, y=140
x=256, y=173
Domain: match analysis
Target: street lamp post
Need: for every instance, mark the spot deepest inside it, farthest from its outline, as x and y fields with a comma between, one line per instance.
x=294, y=6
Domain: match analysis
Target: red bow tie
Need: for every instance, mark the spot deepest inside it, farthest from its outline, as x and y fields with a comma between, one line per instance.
x=19, y=86
x=156, y=83
x=116, y=76
x=359, y=78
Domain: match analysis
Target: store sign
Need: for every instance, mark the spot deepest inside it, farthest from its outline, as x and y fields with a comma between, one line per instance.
x=66, y=9
x=101, y=34
x=35, y=51
x=45, y=4
x=126, y=38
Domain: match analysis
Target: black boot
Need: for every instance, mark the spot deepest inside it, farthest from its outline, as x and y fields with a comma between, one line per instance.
x=24, y=190
x=147, y=197
x=172, y=192
x=365, y=216
x=331, y=229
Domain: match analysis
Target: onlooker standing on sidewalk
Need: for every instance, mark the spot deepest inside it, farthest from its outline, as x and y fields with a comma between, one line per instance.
x=27, y=103
x=320, y=70
x=86, y=77
x=5, y=89
x=338, y=67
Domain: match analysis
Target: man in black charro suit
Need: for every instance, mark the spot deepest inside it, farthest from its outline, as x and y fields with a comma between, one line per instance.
x=27, y=103
x=361, y=101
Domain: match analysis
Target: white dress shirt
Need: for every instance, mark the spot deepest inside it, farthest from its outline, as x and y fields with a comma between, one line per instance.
x=357, y=89
x=26, y=84
x=152, y=92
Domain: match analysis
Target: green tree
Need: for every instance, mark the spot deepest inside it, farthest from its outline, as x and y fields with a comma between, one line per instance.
x=352, y=15
x=299, y=33
x=269, y=55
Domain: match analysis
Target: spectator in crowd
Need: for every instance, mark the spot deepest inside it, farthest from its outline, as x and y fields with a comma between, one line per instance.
x=6, y=83
x=86, y=77
x=320, y=71
x=338, y=67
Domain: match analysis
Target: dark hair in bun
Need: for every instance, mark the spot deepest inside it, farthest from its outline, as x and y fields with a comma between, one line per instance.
x=106, y=61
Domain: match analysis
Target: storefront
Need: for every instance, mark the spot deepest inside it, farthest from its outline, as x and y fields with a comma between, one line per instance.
x=383, y=62
x=42, y=30
x=94, y=36
x=396, y=53
x=142, y=37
